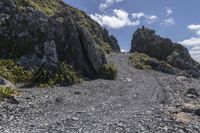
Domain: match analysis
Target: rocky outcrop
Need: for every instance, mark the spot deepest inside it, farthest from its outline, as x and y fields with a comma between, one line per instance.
x=146, y=41
x=114, y=44
x=38, y=32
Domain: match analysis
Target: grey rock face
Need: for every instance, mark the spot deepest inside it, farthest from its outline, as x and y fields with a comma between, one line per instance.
x=50, y=54
x=146, y=41
x=38, y=38
x=114, y=44
x=111, y=40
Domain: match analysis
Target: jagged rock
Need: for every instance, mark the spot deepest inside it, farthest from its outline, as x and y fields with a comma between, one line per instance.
x=114, y=44
x=50, y=54
x=193, y=92
x=146, y=41
x=33, y=35
x=161, y=66
x=197, y=112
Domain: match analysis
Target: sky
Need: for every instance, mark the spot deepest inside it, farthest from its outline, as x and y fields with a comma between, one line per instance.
x=178, y=20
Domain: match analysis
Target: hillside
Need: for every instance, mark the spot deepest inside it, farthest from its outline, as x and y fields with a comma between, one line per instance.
x=46, y=33
x=61, y=72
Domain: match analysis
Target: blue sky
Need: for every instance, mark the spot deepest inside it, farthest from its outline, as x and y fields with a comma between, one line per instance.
x=178, y=20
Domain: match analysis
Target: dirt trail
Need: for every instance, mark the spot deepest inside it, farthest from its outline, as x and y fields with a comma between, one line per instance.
x=131, y=103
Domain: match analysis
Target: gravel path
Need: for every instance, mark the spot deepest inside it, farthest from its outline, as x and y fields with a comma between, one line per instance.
x=137, y=101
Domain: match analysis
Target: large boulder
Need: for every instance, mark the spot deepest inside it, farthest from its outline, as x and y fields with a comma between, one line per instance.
x=43, y=32
x=146, y=41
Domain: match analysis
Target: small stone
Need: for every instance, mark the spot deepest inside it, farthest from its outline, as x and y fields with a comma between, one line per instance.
x=197, y=112
x=13, y=100
x=120, y=124
x=77, y=92
x=59, y=99
x=181, y=78
x=128, y=80
x=165, y=128
x=192, y=91
x=11, y=117
x=75, y=118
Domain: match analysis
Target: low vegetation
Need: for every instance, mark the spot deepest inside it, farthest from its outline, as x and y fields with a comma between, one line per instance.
x=106, y=48
x=63, y=75
x=6, y=92
x=50, y=7
x=109, y=71
x=143, y=61
x=13, y=72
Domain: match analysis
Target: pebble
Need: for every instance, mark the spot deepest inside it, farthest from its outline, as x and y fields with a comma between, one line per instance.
x=75, y=118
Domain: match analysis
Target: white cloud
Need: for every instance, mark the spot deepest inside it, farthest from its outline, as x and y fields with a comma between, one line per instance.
x=169, y=21
x=138, y=15
x=107, y=3
x=168, y=11
x=149, y=18
x=195, y=28
x=124, y=50
x=118, y=19
x=193, y=42
x=196, y=48
x=195, y=53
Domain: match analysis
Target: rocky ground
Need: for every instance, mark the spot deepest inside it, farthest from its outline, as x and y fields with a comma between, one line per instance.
x=137, y=101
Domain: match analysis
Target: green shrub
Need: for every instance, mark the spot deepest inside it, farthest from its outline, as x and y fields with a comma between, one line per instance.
x=139, y=60
x=143, y=61
x=109, y=71
x=6, y=92
x=14, y=73
x=63, y=75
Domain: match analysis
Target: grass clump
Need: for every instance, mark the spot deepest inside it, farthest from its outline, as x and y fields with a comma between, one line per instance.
x=143, y=61
x=13, y=72
x=63, y=75
x=109, y=71
x=6, y=92
x=139, y=60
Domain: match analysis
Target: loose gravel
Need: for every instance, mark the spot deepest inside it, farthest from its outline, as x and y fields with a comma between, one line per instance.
x=138, y=101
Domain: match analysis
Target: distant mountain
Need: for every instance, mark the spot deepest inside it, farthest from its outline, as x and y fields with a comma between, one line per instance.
x=35, y=32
